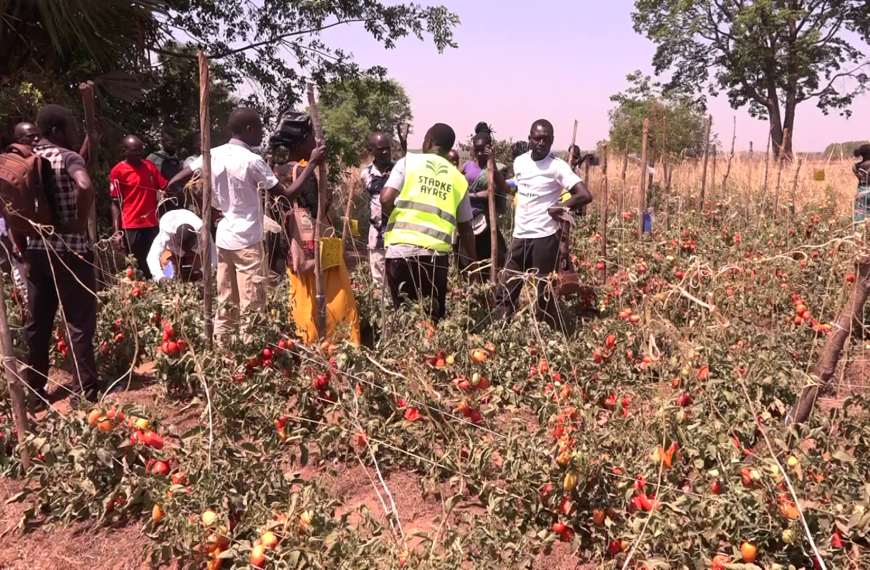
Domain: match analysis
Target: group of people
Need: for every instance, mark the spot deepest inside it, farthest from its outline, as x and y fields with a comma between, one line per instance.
x=420, y=202
x=423, y=206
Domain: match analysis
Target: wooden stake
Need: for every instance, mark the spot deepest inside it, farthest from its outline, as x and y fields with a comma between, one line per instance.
x=666, y=182
x=346, y=226
x=573, y=144
x=791, y=206
x=751, y=183
x=603, y=273
x=622, y=193
x=493, y=230
x=87, y=91
x=641, y=201
x=730, y=157
x=706, y=161
x=13, y=383
x=318, y=229
x=404, y=140
x=715, y=156
x=849, y=317
x=766, y=170
x=205, y=234
x=779, y=173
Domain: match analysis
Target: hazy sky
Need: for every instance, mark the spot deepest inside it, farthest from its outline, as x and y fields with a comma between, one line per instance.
x=518, y=61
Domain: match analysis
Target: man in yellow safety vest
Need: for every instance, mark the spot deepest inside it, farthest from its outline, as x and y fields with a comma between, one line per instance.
x=426, y=199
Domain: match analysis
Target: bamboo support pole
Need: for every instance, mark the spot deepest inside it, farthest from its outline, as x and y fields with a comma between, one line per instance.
x=318, y=230
x=205, y=234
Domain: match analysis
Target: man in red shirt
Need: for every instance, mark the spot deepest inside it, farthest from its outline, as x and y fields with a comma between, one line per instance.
x=135, y=183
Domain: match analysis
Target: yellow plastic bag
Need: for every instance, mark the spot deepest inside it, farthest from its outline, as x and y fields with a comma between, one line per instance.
x=330, y=252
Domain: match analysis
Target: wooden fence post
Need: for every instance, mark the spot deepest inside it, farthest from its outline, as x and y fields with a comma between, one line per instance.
x=318, y=230
x=205, y=235
x=13, y=383
x=706, y=161
x=766, y=170
x=346, y=225
x=715, y=155
x=604, y=199
x=751, y=184
x=622, y=193
x=87, y=92
x=665, y=192
x=493, y=229
x=791, y=206
x=730, y=157
x=641, y=202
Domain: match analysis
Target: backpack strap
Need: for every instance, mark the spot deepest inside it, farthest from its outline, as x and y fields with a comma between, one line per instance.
x=20, y=150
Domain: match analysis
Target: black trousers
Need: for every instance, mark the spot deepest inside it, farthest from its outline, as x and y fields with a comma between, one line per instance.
x=73, y=276
x=483, y=245
x=540, y=255
x=139, y=242
x=421, y=278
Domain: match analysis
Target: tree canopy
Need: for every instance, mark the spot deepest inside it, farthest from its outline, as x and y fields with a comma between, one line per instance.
x=274, y=47
x=354, y=108
x=768, y=55
x=645, y=99
x=278, y=45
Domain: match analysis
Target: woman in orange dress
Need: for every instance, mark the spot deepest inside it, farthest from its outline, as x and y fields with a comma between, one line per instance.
x=342, y=320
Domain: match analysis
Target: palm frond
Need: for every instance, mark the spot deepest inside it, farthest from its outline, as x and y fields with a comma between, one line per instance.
x=96, y=25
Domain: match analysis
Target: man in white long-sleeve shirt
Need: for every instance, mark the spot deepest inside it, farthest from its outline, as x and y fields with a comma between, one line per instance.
x=178, y=245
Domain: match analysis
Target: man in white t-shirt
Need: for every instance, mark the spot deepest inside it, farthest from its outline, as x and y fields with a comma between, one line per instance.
x=238, y=176
x=540, y=179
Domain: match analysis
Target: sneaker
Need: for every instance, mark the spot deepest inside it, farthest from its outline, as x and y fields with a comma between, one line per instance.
x=38, y=400
x=91, y=395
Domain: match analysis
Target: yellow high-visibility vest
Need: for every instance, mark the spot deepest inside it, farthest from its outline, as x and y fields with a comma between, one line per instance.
x=425, y=211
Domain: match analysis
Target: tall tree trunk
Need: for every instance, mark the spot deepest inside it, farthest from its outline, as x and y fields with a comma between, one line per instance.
x=775, y=135
x=788, y=125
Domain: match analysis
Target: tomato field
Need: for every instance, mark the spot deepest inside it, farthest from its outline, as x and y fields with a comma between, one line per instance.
x=648, y=431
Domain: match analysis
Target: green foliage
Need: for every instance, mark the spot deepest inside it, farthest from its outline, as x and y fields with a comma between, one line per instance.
x=644, y=99
x=769, y=55
x=171, y=100
x=50, y=35
x=566, y=423
x=354, y=108
x=282, y=28
x=843, y=149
